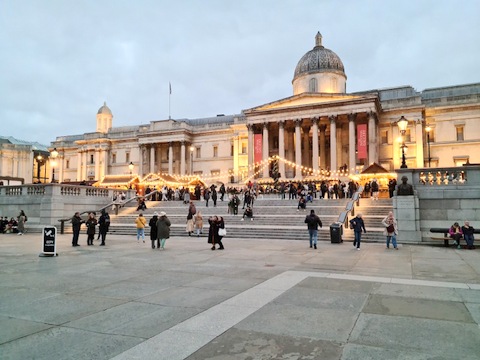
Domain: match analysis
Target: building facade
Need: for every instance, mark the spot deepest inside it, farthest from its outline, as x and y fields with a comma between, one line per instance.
x=319, y=130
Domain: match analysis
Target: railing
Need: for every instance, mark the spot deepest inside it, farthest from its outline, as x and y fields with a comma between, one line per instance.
x=116, y=204
x=454, y=176
x=350, y=207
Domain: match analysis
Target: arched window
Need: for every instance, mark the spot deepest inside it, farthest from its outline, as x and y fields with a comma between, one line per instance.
x=312, y=86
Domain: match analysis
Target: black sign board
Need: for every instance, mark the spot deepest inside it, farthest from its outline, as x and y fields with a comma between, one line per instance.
x=49, y=240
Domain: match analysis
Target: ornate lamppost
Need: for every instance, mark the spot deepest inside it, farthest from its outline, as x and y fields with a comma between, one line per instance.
x=54, y=155
x=39, y=160
x=402, y=124
x=428, y=129
x=131, y=166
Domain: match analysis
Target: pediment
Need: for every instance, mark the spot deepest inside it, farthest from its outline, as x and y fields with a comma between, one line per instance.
x=306, y=99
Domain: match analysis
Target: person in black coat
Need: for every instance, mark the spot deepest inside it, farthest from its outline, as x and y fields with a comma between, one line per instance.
x=76, y=224
x=153, y=229
x=357, y=225
x=104, y=224
x=313, y=222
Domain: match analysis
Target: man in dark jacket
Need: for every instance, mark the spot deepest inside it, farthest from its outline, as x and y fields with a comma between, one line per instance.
x=104, y=224
x=357, y=225
x=313, y=222
x=76, y=223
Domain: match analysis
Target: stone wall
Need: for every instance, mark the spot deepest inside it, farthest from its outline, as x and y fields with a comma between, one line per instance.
x=47, y=203
x=442, y=196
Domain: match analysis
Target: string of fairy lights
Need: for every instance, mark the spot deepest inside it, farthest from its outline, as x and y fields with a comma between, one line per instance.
x=247, y=173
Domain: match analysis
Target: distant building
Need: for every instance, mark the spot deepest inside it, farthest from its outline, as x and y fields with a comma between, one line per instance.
x=320, y=127
x=23, y=162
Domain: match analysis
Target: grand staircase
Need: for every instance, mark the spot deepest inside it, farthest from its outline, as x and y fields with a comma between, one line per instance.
x=274, y=218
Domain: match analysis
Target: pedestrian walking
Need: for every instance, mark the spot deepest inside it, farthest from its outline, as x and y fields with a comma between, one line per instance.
x=153, y=228
x=313, y=222
x=91, y=223
x=76, y=225
x=163, y=229
x=357, y=225
x=198, y=219
x=21, y=220
x=140, y=222
x=192, y=210
x=391, y=230
x=214, y=237
x=104, y=225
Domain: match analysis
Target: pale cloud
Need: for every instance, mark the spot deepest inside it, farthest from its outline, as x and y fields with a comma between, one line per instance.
x=61, y=59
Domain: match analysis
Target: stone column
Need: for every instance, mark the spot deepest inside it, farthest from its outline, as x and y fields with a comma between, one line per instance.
x=79, y=166
x=265, y=152
x=182, y=158
x=84, y=175
x=236, y=142
x=281, y=148
x=333, y=142
x=419, y=143
x=104, y=167
x=323, y=141
x=372, y=138
x=352, y=162
x=315, y=144
x=97, y=164
x=298, y=149
x=250, y=149
x=170, y=158
x=140, y=160
x=396, y=151
x=152, y=158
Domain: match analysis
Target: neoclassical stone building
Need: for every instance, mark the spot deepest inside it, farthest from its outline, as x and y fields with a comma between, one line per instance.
x=321, y=127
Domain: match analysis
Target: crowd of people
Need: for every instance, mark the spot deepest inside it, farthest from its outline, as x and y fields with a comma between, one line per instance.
x=14, y=225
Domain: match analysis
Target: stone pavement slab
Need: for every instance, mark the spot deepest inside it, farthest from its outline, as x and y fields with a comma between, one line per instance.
x=255, y=300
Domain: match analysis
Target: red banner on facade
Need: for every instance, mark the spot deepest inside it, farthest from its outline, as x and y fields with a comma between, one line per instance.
x=257, y=148
x=362, y=141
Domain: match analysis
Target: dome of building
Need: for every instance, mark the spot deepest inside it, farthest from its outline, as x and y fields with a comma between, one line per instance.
x=104, y=109
x=319, y=59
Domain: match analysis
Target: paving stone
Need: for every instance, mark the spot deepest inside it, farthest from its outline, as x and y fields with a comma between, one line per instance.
x=249, y=345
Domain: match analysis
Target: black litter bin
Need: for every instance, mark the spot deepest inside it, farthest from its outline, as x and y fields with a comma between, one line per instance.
x=336, y=232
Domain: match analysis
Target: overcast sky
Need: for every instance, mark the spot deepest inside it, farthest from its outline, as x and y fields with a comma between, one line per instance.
x=61, y=59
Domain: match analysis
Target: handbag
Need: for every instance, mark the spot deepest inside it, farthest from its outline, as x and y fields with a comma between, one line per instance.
x=390, y=228
x=222, y=232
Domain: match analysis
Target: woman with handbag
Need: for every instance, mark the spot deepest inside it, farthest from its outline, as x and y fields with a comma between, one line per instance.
x=391, y=230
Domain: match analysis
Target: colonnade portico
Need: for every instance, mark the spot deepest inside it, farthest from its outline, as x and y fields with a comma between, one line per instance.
x=316, y=142
x=151, y=157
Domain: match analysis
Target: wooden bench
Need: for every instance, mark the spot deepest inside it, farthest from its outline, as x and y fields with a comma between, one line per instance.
x=446, y=236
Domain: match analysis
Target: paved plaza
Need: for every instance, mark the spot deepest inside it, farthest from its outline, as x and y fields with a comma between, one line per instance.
x=257, y=299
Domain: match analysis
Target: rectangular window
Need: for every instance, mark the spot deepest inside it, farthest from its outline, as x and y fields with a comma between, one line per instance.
x=114, y=158
x=91, y=159
x=127, y=157
x=232, y=150
x=408, y=136
x=384, y=137
x=215, y=151
x=67, y=164
x=198, y=152
x=244, y=147
x=275, y=142
x=459, y=133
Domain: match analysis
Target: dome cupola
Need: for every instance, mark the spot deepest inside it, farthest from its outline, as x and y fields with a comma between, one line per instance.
x=319, y=71
x=104, y=119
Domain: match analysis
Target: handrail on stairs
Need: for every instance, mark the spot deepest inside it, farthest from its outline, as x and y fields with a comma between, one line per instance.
x=350, y=207
x=116, y=204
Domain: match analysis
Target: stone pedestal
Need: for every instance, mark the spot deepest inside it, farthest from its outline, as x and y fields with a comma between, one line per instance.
x=407, y=212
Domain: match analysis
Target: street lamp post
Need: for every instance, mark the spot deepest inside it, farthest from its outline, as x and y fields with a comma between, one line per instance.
x=54, y=155
x=39, y=159
x=428, y=129
x=402, y=124
x=192, y=149
x=130, y=166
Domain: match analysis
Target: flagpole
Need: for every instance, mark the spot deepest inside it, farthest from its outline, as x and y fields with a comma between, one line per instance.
x=169, y=96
